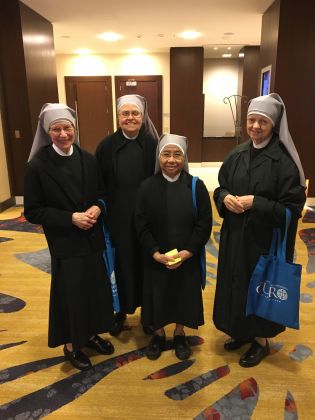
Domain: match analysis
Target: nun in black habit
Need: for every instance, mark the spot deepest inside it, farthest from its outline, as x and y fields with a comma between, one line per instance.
x=166, y=221
x=258, y=180
x=61, y=193
x=126, y=158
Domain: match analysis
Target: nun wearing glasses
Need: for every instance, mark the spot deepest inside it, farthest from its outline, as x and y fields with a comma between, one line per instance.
x=61, y=193
x=126, y=158
x=257, y=181
x=166, y=220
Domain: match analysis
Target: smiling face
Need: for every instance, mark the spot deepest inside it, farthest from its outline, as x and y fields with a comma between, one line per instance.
x=259, y=128
x=62, y=135
x=172, y=160
x=130, y=119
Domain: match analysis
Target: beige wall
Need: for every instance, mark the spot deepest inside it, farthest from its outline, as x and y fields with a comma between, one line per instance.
x=4, y=177
x=116, y=65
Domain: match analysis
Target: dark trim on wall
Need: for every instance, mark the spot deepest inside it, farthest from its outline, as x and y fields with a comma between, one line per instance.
x=10, y=202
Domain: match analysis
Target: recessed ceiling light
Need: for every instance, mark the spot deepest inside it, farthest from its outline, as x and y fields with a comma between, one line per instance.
x=190, y=34
x=241, y=54
x=215, y=48
x=226, y=55
x=228, y=48
x=109, y=36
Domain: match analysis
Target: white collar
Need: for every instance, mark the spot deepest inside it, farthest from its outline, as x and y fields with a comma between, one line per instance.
x=168, y=178
x=127, y=137
x=60, y=152
x=261, y=145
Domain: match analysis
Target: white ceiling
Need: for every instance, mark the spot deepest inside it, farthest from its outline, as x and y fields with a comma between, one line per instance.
x=152, y=24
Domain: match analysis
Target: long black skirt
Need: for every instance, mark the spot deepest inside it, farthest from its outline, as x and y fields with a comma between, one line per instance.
x=80, y=300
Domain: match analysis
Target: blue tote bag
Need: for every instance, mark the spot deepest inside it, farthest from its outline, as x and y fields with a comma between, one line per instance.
x=109, y=260
x=274, y=288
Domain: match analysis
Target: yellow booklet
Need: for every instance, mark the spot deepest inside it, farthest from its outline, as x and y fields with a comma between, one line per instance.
x=173, y=252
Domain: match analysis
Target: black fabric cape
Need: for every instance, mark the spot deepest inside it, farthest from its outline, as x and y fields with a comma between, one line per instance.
x=273, y=178
x=165, y=219
x=122, y=176
x=80, y=300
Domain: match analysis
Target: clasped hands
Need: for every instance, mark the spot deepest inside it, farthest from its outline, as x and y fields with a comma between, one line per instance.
x=238, y=204
x=165, y=259
x=85, y=220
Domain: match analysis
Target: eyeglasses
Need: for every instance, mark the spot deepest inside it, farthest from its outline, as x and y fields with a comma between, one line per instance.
x=126, y=114
x=261, y=123
x=57, y=130
x=169, y=155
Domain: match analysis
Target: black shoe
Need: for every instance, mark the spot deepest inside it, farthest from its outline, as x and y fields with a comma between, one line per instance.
x=147, y=330
x=234, y=344
x=156, y=346
x=181, y=346
x=120, y=317
x=254, y=354
x=77, y=358
x=100, y=345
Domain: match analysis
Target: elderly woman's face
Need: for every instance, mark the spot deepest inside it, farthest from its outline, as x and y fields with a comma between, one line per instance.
x=171, y=160
x=130, y=119
x=259, y=128
x=62, y=135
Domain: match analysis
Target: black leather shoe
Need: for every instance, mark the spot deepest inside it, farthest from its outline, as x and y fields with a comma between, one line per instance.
x=254, y=354
x=181, y=346
x=77, y=358
x=100, y=345
x=156, y=346
x=147, y=330
x=234, y=344
x=120, y=317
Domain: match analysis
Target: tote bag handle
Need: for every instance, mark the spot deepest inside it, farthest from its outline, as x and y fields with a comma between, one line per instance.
x=278, y=247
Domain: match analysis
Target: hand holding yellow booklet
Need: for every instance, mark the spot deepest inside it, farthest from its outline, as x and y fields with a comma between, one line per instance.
x=170, y=254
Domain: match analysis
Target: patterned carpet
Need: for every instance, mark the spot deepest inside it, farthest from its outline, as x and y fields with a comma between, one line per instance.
x=35, y=382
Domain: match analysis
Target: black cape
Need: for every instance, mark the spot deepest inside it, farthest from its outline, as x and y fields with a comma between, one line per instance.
x=273, y=178
x=124, y=164
x=165, y=220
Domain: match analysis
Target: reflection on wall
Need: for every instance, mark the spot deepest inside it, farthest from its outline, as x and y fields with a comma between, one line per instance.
x=4, y=177
x=220, y=80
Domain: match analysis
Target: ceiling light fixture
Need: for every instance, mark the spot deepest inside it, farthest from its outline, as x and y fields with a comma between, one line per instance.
x=189, y=34
x=109, y=36
x=226, y=55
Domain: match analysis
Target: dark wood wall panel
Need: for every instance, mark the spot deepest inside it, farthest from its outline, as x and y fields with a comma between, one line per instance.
x=288, y=40
x=28, y=80
x=216, y=150
x=251, y=72
x=186, y=97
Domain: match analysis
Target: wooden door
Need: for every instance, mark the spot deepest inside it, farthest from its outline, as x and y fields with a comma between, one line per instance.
x=91, y=97
x=148, y=86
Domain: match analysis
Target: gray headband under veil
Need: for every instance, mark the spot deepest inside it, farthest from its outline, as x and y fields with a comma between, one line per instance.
x=50, y=113
x=140, y=103
x=167, y=139
x=272, y=106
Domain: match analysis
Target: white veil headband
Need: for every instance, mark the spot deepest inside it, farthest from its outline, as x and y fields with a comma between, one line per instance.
x=272, y=106
x=176, y=140
x=140, y=103
x=49, y=113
